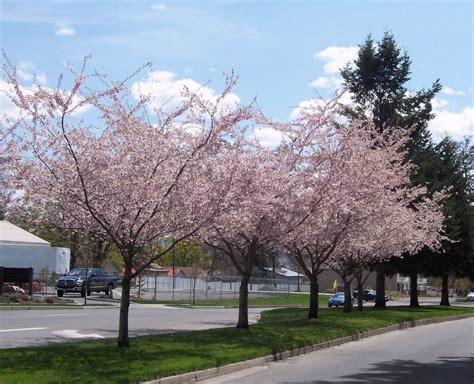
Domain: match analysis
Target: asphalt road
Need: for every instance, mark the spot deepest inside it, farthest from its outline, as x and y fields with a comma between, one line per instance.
x=432, y=354
x=21, y=328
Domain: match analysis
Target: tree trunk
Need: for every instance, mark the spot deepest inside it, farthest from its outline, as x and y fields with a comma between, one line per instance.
x=243, y=321
x=313, y=298
x=414, y=290
x=445, y=291
x=360, y=302
x=347, y=296
x=124, y=306
x=380, y=287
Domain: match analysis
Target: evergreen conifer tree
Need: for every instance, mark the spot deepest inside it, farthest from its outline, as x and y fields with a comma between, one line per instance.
x=378, y=85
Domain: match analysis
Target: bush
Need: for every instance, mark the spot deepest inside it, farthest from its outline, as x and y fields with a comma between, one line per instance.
x=18, y=298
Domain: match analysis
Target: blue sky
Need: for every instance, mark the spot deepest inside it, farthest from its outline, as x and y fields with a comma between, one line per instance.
x=286, y=52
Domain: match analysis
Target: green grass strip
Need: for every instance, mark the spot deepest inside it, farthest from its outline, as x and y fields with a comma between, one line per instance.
x=150, y=357
x=293, y=299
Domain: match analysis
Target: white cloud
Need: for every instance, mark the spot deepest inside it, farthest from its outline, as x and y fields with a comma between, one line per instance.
x=166, y=93
x=336, y=58
x=307, y=106
x=450, y=91
x=65, y=30
x=439, y=103
x=159, y=7
x=346, y=98
x=330, y=82
x=26, y=71
x=268, y=137
x=11, y=111
x=455, y=125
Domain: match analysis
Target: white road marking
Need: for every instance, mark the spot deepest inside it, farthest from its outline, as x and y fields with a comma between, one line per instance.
x=20, y=329
x=74, y=334
x=66, y=314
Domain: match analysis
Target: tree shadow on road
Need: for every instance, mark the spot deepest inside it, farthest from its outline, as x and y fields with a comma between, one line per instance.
x=459, y=370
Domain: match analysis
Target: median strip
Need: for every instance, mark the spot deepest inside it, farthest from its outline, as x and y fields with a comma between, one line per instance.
x=279, y=334
x=205, y=374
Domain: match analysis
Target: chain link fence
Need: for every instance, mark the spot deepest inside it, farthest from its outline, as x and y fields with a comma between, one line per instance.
x=165, y=288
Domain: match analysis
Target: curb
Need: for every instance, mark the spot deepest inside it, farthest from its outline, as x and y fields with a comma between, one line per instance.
x=209, y=373
x=51, y=308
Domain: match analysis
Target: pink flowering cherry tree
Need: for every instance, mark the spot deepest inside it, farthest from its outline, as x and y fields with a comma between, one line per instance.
x=120, y=172
x=398, y=227
x=253, y=222
x=361, y=179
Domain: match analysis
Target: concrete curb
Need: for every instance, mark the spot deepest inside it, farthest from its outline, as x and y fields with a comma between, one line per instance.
x=50, y=308
x=204, y=374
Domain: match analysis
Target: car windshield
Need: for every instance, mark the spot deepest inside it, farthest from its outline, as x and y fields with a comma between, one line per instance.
x=337, y=295
x=77, y=272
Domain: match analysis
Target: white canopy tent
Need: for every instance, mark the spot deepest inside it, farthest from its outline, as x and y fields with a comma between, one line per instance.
x=22, y=249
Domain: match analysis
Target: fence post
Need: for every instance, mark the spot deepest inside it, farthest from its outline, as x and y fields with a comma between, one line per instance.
x=154, y=294
x=30, y=278
x=139, y=285
x=190, y=289
x=2, y=271
x=288, y=287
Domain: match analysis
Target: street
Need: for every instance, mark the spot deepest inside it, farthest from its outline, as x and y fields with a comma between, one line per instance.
x=21, y=328
x=432, y=354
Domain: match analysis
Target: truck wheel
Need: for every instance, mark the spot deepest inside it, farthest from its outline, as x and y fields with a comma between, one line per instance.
x=109, y=289
x=60, y=293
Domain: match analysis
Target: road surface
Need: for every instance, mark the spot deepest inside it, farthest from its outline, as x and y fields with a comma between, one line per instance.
x=21, y=328
x=432, y=354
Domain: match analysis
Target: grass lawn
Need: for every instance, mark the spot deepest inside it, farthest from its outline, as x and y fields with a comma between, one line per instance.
x=100, y=361
x=4, y=300
x=291, y=300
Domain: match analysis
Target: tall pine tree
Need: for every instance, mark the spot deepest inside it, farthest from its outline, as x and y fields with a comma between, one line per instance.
x=454, y=171
x=378, y=85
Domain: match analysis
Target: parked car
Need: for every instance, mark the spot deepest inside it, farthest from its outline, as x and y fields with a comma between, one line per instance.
x=368, y=295
x=337, y=300
x=9, y=289
x=470, y=296
x=85, y=281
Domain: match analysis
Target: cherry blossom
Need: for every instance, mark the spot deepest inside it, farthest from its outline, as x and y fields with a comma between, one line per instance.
x=119, y=173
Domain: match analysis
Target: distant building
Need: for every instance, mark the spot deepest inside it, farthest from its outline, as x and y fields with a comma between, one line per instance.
x=403, y=284
x=22, y=249
x=157, y=270
x=284, y=273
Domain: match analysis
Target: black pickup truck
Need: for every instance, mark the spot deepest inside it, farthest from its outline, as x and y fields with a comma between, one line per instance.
x=85, y=281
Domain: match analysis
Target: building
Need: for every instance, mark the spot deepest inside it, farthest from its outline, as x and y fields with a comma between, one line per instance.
x=157, y=270
x=22, y=249
x=403, y=284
